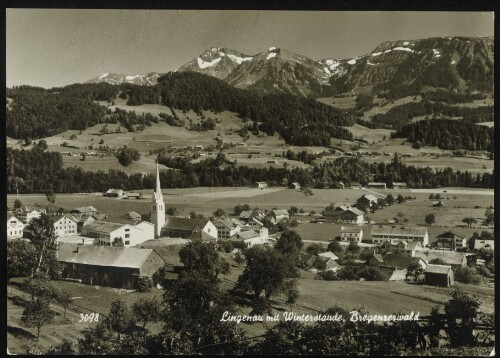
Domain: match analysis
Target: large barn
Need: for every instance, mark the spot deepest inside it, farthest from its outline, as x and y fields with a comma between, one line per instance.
x=439, y=275
x=108, y=265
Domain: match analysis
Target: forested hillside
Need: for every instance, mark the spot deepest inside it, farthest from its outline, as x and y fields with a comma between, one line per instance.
x=449, y=134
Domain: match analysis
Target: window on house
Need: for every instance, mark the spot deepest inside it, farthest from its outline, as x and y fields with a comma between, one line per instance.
x=127, y=236
x=127, y=242
x=127, y=230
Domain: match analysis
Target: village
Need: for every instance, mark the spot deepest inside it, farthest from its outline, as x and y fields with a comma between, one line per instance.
x=98, y=248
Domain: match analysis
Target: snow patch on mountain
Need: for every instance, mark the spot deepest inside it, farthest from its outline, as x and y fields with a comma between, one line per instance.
x=353, y=61
x=204, y=64
x=327, y=70
x=272, y=48
x=238, y=59
x=103, y=75
x=130, y=78
x=271, y=55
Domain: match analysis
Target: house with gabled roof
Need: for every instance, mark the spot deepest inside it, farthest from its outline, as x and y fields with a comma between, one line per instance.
x=15, y=227
x=84, y=210
x=115, y=193
x=27, y=213
x=106, y=232
x=329, y=254
x=450, y=241
x=368, y=199
x=451, y=258
x=64, y=225
x=351, y=233
x=184, y=227
x=439, y=275
x=109, y=266
x=226, y=228
x=486, y=244
x=383, y=233
x=279, y=215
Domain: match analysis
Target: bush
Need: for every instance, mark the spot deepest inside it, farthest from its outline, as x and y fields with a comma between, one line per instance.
x=466, y=275
x=328, y=276
x=144, y=284
x=127, y=155
x=225, y=246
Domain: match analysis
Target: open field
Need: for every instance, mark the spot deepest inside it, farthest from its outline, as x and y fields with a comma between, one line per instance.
x=458, y=202
x=384, y=297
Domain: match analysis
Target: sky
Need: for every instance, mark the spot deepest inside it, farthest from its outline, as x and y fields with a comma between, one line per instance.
x=56, y=47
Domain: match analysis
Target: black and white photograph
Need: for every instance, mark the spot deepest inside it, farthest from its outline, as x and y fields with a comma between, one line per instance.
x=249, y=182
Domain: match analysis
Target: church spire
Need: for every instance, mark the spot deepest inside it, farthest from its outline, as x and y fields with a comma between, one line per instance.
x=158, y=205
x=158, y=188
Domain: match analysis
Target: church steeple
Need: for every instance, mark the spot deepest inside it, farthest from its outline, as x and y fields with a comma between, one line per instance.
x=158, y=205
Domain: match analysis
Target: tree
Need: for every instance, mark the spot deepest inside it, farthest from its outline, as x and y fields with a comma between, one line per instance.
x=239, y=208
x=466, y=275
x=289, y=242
x=171, y=211
x=469, y=221
x=119, y=318
x=42, y=145
x=431, y=197
x=96, y=341
x=293, y=210
x=437, y=261
x=64, y=299
x=490, y=217
x=37, y=314
x=118, y=242
x=146, y=310
x=334, y=246
x=319, y=264
x=219, y=213
x=20, y=256
x=414, y=269
x=127, y=155
x=430, y=219
x=50, y=195
x=40, y=231
x=204, y=258
x=238, y=258
x=353, y=247
x=64, y=348
x=17, y=204
x=144, y=283
x=400, y=199
x=315, y=249
x=371, y=274
x=267, y=272
x=461, y=312
x=389, y=199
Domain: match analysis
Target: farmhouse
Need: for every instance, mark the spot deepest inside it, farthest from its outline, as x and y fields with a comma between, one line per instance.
x=106, y=232
x=109, y=266
x=486, y=244
x=330, y=264
x=375, y=260
x=84, y=210
x=15, y=227
x=451, y=258
x=248, y=215
x=132, y=216
x=376, y=185
x=329, y=254
x=83, y=219
x=439, y=275
x=115, y=193
x=184, y=227
x=351, y=233
x=351, y=215
x=402, y=261
x=381, y=234
x=398, y=185
x=133, y=196
x=278, y=215
x=261, y=184
x=226, y=228
x=450, y=241
x=252, y=237
x=26, y=213
x=368, y=200
x=64, y=225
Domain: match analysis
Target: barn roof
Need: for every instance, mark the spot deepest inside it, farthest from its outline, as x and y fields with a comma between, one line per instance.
x=184, y=224
x=370, y=197
x=103, y=255
x=448, y=234
x=354, y=211
x=122, y=220
x=440, y=269
x=407, y=230
x=399, y=260
x=226, y=222
x=131, y=215
x=351, y=229
x=329, y=254
x=281, y=212
x=103, y=226
x=84, y=210
x=450, y=257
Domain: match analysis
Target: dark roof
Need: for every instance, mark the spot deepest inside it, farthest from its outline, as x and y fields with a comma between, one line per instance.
x=389, y=230
x=378, y=257
x=226, y=222
x=121, y=220
x=131, y=215
x=355, y=211
x=84, y=210
x=399, y=260
x=56, y=218
x=103, y=226
x=448, y=234
x=82, y=217
x=184, y=224
x=103, y=255
x=441, y=269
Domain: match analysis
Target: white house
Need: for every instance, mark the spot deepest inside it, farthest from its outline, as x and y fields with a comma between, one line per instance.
x=384, y=233
x=106, y=232
x=186, y=227
x=351, y=234
x=115, y=193
x=261, y=184
x=65, y=225
x=278, y=215
x=26, y=213
x=253, y=237
x=226, y=228
x=352, y=216
x=15, y=227
x=487, y=244
x=450, y=241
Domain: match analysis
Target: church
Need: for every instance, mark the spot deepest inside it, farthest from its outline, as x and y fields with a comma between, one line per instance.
x=177, y=227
